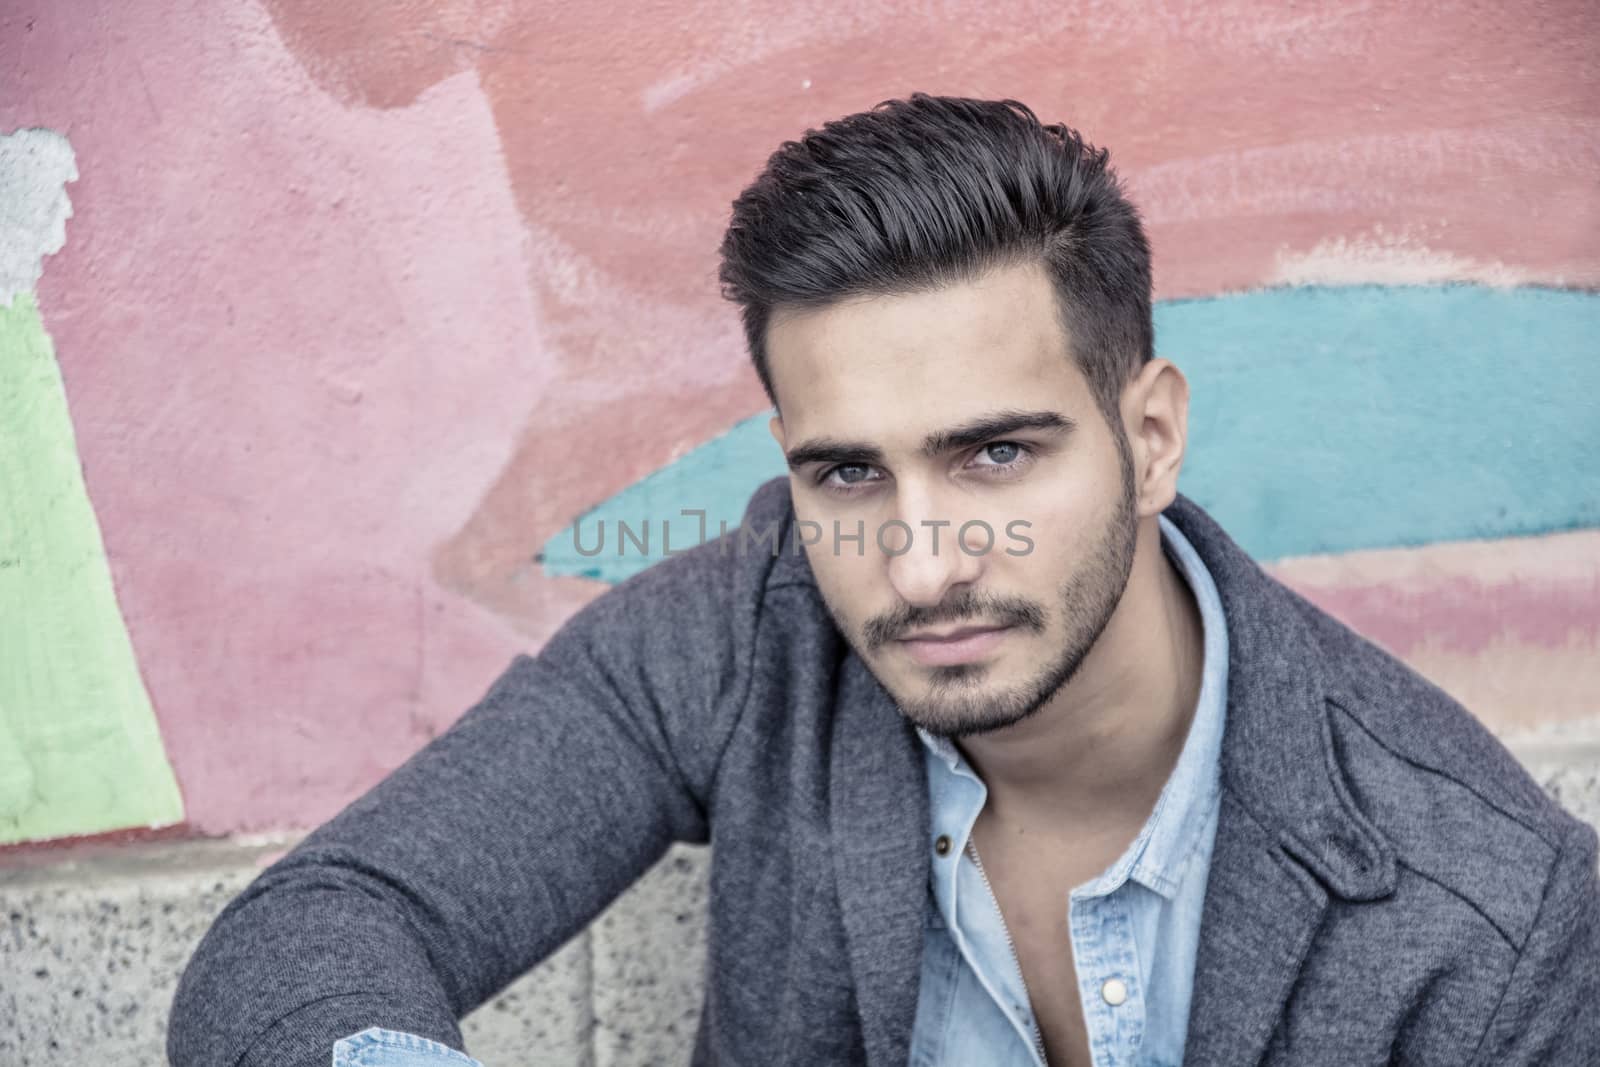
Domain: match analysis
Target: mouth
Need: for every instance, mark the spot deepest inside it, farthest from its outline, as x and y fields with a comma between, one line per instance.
x=963, y=644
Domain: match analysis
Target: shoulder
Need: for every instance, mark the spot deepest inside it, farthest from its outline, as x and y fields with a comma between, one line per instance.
x=1457, y=807
x=684, y=633
x=675, y=649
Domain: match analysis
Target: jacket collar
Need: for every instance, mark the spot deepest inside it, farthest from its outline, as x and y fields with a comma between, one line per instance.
x=1278, y=757
x=1289, y=834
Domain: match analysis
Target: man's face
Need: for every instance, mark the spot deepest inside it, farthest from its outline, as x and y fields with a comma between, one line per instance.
x=908, y=418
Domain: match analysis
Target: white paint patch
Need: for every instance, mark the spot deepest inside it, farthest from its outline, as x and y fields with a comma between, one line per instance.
x=1387, y=259
x=35, y=166
x=669, y=89
x=1396, y=173
x=728, y=45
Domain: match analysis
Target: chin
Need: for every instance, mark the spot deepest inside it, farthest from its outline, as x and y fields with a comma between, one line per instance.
x=962, y=706
x=955, y=723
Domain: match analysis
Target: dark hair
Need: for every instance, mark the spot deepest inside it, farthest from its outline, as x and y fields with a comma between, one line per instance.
x=934, y=190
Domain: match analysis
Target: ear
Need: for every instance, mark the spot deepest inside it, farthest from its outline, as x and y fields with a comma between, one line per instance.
x=775, y=428
x=1155, y=407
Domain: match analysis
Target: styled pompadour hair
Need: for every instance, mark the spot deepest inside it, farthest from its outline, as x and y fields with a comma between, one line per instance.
x=930, y=191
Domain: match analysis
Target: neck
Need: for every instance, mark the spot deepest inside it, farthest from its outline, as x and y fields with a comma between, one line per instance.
x=1097, y=755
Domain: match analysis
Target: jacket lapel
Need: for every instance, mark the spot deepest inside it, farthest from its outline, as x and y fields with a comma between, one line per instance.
x=1289, y=835
x=879, y=807
x=1261, y=912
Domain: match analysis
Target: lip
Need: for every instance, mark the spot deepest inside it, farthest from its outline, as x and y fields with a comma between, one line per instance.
x=962, y=645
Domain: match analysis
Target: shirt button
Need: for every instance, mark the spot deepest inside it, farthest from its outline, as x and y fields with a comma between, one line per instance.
x=1114, y=991
x=941, y=844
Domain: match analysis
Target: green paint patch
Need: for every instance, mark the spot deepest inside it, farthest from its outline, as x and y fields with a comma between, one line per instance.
x=80, y=752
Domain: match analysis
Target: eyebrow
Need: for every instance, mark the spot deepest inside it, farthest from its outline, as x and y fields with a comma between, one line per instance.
x=832, y=451
x=984, y=428
x=988, y=427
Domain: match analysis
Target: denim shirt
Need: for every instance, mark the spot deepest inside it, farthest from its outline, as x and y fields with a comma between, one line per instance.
x=1138, y=922
x=1134, y=928
x=377, y=1047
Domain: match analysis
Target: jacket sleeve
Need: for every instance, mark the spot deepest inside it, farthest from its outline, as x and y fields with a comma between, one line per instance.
x=1547, y=1015
x=494, y=844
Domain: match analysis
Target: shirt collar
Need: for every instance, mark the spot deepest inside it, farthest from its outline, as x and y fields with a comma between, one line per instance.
x=1192, y=789
x=1158, y=855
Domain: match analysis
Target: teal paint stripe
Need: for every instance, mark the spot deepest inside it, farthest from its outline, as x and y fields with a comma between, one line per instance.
x=718, y=477
x=1321, y=420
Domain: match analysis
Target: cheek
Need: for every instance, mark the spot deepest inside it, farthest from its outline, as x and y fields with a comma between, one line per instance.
x=1060, y=539
x=1069, y=508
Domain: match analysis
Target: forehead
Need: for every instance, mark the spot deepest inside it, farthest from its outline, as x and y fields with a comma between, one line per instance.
x=881, y=367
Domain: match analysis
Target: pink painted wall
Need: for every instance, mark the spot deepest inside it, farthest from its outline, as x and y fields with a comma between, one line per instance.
x=362, y=302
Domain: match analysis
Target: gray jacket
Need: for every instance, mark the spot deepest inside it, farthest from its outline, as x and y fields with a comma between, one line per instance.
x=1388, y=885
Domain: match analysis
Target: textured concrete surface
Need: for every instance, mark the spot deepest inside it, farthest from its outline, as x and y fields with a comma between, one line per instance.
x=1574, y=780
x=542, y=1018
x=91, y=947
x=649, y=965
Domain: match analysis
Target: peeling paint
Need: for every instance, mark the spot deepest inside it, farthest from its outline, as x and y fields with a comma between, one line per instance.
x=35, y=166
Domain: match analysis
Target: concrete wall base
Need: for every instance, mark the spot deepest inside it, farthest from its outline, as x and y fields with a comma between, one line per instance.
x=91, y=947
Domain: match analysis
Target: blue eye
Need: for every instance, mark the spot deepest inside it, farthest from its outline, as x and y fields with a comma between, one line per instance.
x=1001, y=456
x=851, y=473
x=847, y=476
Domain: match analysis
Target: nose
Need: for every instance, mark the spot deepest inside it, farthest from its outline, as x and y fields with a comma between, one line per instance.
x=924, y=559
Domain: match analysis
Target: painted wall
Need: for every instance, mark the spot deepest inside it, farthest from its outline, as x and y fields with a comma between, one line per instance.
x=362, y=306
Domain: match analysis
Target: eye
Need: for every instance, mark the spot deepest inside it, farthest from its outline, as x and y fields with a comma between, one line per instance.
x=1000, y=454
x=847, y=475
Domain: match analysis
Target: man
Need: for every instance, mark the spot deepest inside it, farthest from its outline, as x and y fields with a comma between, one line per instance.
x=1020, y=760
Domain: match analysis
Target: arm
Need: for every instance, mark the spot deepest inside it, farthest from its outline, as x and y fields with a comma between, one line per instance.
x=1547, y=1014
x=496, y=843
